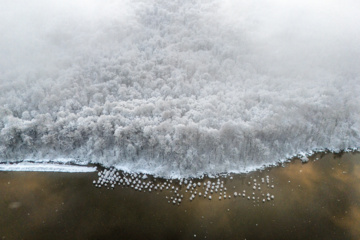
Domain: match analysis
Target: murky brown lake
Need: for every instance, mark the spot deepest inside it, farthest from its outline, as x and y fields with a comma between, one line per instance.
x=316, y=200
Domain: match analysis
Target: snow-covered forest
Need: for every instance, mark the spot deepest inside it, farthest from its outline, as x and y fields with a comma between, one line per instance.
x=178, y=88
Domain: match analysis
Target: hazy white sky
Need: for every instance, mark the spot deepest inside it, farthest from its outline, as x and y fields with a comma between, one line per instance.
x=39, y=33
x=281, y=35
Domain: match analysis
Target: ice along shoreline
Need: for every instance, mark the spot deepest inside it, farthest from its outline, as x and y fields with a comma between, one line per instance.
x=75, y=166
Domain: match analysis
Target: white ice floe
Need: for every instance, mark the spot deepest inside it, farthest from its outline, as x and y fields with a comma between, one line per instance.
x=45, y=167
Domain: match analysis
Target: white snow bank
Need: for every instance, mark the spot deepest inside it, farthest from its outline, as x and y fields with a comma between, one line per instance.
x=45, y=167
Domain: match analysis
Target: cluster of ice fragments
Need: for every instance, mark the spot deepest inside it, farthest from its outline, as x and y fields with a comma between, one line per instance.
x=257, y=190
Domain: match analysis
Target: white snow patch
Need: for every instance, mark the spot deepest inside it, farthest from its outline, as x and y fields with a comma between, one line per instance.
x=45, y=167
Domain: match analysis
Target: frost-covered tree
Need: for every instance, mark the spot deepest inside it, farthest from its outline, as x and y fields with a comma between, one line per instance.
x=191, y=87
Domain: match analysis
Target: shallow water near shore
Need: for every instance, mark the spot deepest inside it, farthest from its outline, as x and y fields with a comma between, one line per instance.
x=316, y=200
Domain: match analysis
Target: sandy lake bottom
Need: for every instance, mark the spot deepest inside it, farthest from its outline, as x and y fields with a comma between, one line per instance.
x=316, y=200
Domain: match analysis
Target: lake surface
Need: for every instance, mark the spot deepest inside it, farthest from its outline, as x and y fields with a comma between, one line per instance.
x=316, y=200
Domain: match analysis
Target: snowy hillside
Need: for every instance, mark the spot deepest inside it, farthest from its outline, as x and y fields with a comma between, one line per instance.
x=178, y=88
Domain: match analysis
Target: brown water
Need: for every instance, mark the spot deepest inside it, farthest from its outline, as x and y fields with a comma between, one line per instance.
x=317, y=200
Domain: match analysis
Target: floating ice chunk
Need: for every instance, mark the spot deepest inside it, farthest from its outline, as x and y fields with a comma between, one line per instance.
x=45, y=167
x=304, y=159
